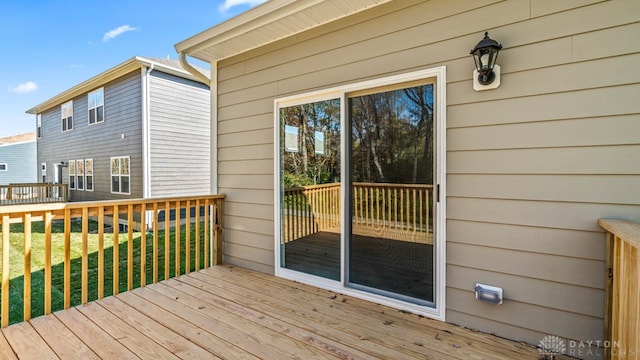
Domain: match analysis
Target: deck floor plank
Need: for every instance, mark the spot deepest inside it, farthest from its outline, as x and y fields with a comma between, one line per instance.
x=159, y=333
x=261, y=342
x=219, y=304
x=6, y=352
x=398, y=322
x=61, y=340
x=216, y=346
x=91, y=334
x=25, y=342
x=305, y=311
x=125, y=334
x=228, y=312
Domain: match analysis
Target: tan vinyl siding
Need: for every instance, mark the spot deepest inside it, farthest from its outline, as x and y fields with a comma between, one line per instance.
x=179, y=136
x=531, y=166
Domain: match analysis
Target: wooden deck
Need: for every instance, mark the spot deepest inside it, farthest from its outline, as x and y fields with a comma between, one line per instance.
x=233, y=313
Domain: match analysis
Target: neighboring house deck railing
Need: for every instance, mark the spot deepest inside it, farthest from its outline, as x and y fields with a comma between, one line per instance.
x=622, y=299
x=33, y=193
x=378, y=208
x=55, y=256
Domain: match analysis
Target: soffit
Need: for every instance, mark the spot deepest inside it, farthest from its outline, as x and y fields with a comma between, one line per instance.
x=267, y=23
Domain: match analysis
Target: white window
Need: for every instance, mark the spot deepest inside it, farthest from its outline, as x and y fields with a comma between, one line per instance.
x=96, y=106
x=120, y=177
x=72, y=174
x=80, y=175
x=88, y=174
x=4, y=167
x=39, y=125
x=67, y=116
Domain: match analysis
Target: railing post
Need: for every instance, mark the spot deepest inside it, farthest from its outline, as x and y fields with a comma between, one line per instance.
x=218, y=225
x=4, y=313
x=27, y=268
x=622, y=315
x=67, y=258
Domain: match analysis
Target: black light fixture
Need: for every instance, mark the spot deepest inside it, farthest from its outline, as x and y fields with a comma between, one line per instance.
x=487, y=72
x=62, y=164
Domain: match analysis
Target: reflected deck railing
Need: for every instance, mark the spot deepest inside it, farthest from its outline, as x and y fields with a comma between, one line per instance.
x=33, y=193
x=185, y=235
x=400, y=209
x=622, y=299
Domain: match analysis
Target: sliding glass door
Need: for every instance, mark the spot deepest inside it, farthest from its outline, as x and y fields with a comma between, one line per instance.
x=360, y=171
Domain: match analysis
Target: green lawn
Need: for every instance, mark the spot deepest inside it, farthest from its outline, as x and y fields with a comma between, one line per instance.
x=16, y=256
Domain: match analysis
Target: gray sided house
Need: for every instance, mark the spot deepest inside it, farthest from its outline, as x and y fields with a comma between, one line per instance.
x=18, y=159
x=355, y=124
x=138, y=130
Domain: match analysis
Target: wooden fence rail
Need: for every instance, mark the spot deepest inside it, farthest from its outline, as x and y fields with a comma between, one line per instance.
x=622, y=299
x=33, y=193
x=375, y=206
x=186, y=235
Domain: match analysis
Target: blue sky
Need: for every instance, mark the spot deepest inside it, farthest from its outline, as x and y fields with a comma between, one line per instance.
x=50, y=46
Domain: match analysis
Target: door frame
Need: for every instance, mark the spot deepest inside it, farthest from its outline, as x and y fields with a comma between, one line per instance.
x=341, y=92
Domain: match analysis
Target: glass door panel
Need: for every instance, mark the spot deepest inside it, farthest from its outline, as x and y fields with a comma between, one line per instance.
x=310, y=188
x=391, y=177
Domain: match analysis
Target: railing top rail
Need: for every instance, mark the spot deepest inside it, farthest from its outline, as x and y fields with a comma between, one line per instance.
x=95, y=204
x=626, y=230
x=33, y=184
x=379, y=185
x=421, y=186
x=312, y=187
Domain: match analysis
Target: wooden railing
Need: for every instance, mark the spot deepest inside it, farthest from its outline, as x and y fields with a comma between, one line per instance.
x=35, y=193
x=310, y=209
x=377, y=208
x=185, y=235
x=622, y=299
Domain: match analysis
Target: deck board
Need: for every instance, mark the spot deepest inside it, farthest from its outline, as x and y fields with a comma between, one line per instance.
x=307, y=312
x=6, y=352
x=27, y=344
x=165, y=337
x=134, y=340
x=234, y=313
x=61, y=340
x=104, y=345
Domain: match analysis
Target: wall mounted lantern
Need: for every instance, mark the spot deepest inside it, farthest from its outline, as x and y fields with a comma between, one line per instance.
x=62, y=164
x=487, y=74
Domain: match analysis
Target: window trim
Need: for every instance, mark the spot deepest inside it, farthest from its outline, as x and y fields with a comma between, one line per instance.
x=72, y=174
x=120, y=175
x=87, y=175
x=39, y=126
x=89, y=107
x=80, y=175
x=66, y=122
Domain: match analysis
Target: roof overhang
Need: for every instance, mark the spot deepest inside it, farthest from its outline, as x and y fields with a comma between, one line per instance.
x=101, y=79
x=268, y=23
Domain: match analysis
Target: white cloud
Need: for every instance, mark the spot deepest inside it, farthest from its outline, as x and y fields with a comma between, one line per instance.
x=228, y=4
x=112, y=34
x=24, y=88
